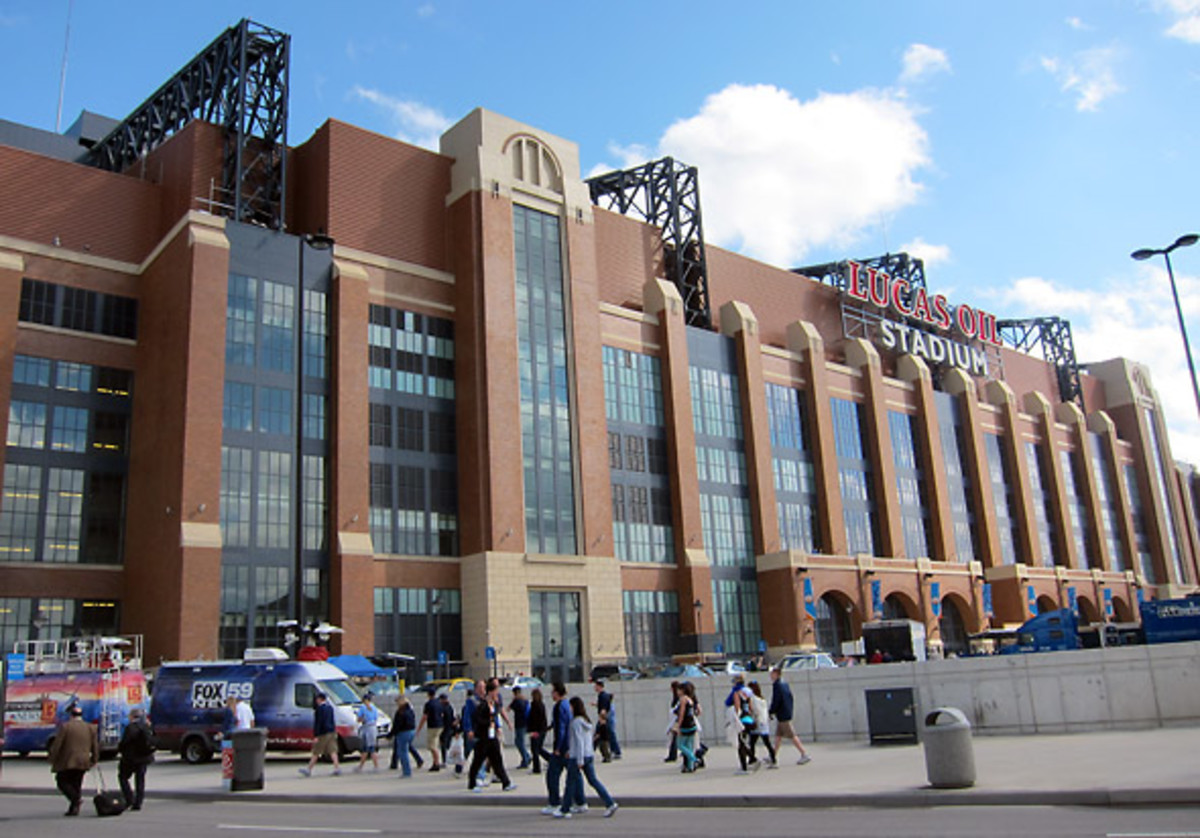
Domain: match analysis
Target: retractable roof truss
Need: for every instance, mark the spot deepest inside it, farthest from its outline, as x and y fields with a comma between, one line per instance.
x=1058, y=348
x=239, y=82
x=898, y=265
x=666, y=193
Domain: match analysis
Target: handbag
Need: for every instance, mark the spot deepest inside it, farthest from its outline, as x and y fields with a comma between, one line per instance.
x=108, y=802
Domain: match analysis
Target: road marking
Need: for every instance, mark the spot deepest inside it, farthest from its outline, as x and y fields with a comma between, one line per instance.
x=337, y=830
x=1153, y=835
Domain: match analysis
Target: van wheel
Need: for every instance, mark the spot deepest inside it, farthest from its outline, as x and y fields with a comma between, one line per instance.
x=342, y=749
x=195, y=751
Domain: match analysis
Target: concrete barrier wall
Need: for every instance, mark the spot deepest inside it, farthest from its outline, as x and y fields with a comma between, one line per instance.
x=1053, y=692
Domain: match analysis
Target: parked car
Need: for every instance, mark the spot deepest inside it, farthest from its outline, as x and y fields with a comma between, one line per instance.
x=726, y=667
x=676, y=671
x=796, y=661
x=526, y=682
x=613, y=672
x=453, y=686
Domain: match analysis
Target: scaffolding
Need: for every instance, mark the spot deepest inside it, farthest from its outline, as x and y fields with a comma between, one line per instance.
x=666, y=194
x=240, y=83
x=1053, y=335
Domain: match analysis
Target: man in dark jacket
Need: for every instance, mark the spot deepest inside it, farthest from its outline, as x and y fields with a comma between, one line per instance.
x=486, y=726
x=75, y=750
x=560, y=727
x=518, y=709
x=137, y=752
x=324, y=735
x=782, y=708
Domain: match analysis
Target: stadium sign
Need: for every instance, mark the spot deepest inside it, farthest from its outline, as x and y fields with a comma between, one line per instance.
x=882, y=290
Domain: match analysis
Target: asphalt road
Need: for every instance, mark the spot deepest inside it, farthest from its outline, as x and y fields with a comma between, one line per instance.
x=41, y=816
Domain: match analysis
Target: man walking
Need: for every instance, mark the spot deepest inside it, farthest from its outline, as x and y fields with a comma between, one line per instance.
x=486, y=725
x=75, y=750
x=560, y=724
x=782, y=708
x=324, y=736
x=518, y=709
x=606, y=723
x=431, y=720
x=137, y=752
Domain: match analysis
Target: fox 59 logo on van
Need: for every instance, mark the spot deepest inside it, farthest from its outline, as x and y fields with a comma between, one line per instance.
x=212, y=695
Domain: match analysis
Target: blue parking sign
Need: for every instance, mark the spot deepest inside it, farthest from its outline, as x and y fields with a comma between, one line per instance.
x=443, y=657
x=15, y=664
x=490, y=653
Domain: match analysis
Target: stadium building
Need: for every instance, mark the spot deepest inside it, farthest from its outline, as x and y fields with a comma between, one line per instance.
x=467, y=402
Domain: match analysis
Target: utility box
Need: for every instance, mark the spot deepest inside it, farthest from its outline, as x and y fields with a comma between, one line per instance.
x=249, y=759
x=892, y=716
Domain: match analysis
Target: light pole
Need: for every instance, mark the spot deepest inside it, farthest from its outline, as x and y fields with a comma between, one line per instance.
x=698, y=605
x=1145, y=253
x=437, y=631
x=317, y=241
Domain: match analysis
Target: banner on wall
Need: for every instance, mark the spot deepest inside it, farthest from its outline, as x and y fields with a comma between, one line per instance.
x=935, y=598
x=1031, y=599
x=987, y=600
x=1072, y=598
x=1108, y=603
x=810, y=603
x=877, y=598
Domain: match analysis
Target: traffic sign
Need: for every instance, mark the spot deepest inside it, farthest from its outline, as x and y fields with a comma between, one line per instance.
x=490, y=653
x=15, y=663
x=443, y=657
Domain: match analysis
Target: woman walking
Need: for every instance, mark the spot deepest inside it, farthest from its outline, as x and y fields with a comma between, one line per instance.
x=685, y=726
x=762, y=722
x=368, y=729
x=404, y=727
x=538, y=725
x=581, y=762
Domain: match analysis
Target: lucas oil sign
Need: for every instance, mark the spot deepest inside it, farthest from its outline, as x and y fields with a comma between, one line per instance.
x=916, y=306
x=212, y=695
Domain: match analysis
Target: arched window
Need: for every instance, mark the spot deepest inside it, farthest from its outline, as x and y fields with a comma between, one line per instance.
x=1046, y=603
x=953, y=628
x=832, y=624
x=535, y=164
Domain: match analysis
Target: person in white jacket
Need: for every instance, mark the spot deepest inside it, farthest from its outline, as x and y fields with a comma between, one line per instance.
x=762, y=722
x=581, y=762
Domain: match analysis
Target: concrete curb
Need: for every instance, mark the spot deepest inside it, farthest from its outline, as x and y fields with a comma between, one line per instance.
x=918, y=797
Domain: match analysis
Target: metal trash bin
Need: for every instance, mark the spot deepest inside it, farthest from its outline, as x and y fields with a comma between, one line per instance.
x=949, y=754
x=249, y=758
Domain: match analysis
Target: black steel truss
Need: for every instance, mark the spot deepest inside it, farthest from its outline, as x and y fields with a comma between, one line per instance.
x=898, y=265
x=1058, y=348
x=666, y=193
x=239, y=82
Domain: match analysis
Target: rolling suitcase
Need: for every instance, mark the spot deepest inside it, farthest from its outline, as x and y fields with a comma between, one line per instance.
x=108, y=802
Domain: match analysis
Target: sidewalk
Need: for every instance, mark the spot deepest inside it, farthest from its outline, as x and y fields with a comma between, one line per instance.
x=1122, y=768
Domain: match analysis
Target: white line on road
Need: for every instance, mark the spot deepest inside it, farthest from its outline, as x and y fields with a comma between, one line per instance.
x=337, y=830
x=1153, y=835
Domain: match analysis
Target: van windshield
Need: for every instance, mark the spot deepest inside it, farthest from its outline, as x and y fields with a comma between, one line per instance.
x=340, y=691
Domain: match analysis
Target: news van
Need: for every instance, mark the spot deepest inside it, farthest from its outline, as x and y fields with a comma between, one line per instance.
x=187, y=706
x=101, y=675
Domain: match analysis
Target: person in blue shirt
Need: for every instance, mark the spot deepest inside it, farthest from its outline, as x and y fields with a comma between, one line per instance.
x=324, y=735
x=560, y=727
x=606, y=724
x=368, y=730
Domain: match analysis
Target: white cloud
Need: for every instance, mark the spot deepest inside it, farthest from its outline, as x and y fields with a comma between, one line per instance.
x=1090, y=75
x=930, y=254
x=425, y=10
x=1077, y=23
x=1186, y=15
x=921, y=61
x=413, y=122
x=1130, y=318
x=780, y=176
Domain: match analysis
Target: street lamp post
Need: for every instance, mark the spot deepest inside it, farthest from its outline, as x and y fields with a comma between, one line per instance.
x=437, y=632
x=1145, y=253
x=698, y=605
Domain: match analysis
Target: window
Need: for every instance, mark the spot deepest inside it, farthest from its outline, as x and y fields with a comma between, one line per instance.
x=1003, y=499
x=69, y=431
x=910, y=484
x=26, y=424
x=274, y=411
x=854, y=477
x=77, y=309
x=239, y=406
x=791, y=463
x=958, y=477
x=1042, y=512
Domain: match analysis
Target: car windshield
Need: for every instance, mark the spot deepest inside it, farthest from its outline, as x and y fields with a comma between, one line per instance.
x=340, y=691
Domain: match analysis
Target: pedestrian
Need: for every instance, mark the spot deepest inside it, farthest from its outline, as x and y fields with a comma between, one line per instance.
x=741, y=719
x=368, y=733
x=242, y=712
x=606, y=715
x=404, y=727
x=486, y=727
x=76, y=749
x=468, y=724
x=537, y=726
x=451, y=726
x=762, y=722
x=518, y=709
x=136, y=750
x=672, y=733
x=582, y=763
x=431, y=720
x=686, y=727
x=324, y=736
x=782, y=708
x=560, y=727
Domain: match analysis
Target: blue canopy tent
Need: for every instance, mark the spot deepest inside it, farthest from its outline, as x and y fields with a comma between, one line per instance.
x=357, y=666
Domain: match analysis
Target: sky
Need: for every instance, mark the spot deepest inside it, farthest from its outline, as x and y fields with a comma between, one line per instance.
x=1022, y=148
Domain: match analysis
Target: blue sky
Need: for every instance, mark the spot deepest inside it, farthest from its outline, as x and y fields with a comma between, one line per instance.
x=1024, y=148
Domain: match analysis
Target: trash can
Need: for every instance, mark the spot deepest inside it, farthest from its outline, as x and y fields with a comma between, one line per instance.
x=249, y=758
x=949, y=754
x=891, y=716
